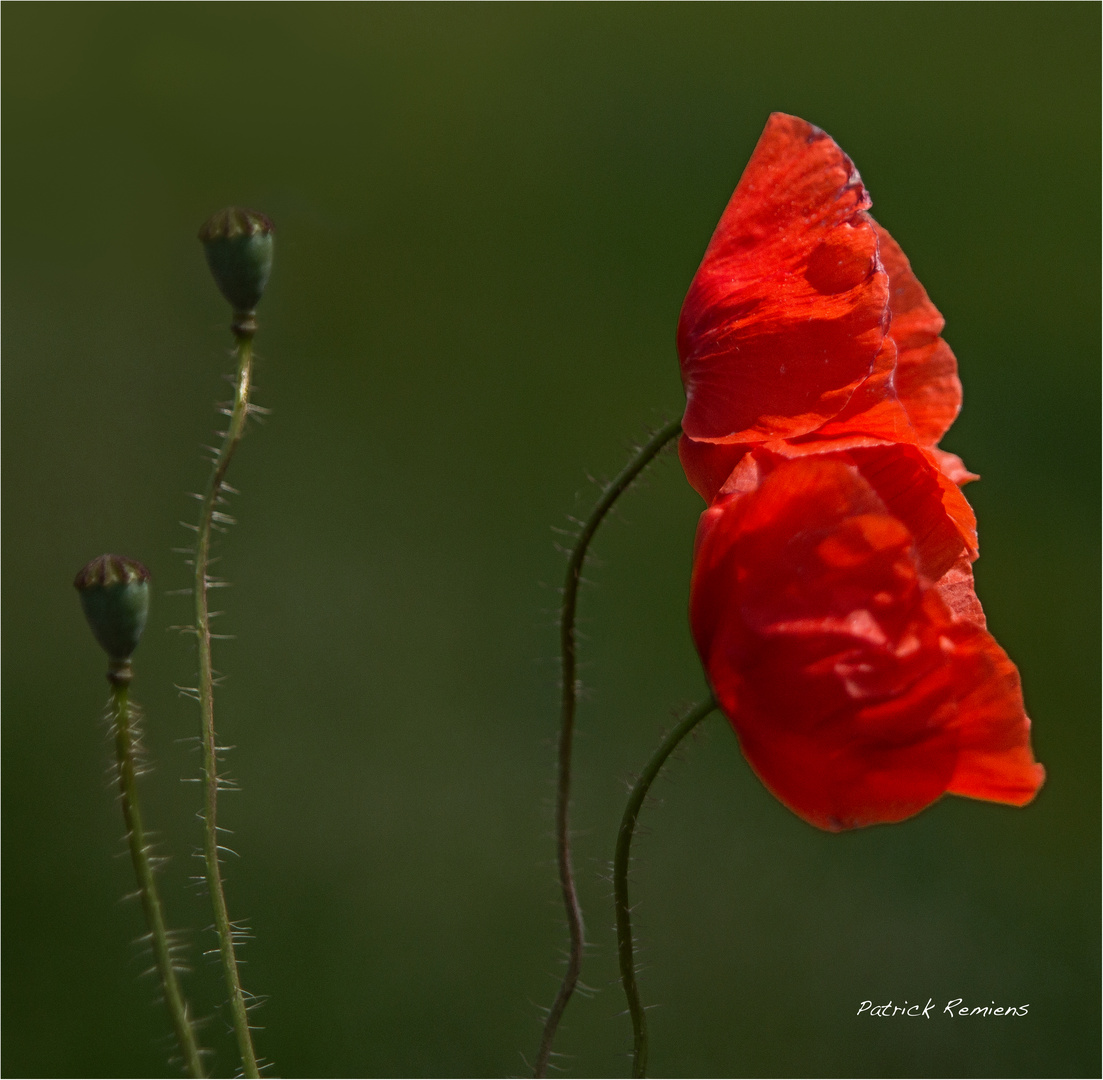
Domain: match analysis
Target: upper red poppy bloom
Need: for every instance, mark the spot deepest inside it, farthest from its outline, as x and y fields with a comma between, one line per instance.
x=851, y=659
x=804, y=316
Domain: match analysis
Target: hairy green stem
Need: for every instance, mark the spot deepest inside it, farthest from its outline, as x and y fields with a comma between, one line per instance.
x=569, y=690
x=125, y=739
x=222, y=924
x=625, y=942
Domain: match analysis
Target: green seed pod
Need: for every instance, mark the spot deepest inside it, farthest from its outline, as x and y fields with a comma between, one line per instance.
x=238, y=245
x=114, y=593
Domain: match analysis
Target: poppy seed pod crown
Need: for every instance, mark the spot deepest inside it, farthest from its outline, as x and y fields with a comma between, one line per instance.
x=238, y=246
x=114, y=592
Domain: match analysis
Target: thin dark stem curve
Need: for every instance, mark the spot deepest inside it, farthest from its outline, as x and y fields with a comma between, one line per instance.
x=569, y=689
x=625, y=943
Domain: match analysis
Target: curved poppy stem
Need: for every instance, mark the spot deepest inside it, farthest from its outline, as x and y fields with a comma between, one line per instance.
x=223, y=927
x=625, y=943
x=569, y=689
x=124, y=723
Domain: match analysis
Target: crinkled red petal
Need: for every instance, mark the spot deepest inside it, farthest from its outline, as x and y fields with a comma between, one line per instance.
x=993, y=732
x=788, y=310
x=958, y=591
x=933, y=508
x=874, y=411
x=913, y=393
x=926, y=370
x=708, y=465
x=952, y=466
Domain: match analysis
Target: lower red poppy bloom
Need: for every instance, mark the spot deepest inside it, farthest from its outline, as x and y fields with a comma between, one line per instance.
x=852, y=661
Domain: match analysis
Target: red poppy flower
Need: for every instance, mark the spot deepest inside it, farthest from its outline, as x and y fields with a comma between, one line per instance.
x=852, y=662
x=833, y=602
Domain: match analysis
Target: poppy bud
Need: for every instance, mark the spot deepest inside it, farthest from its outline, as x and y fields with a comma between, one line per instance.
x=114, y=592
x=238, y=246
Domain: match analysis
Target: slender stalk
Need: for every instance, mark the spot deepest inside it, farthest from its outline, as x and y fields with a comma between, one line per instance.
x=125, y=738
x=222, y=924
x=569, y=690
x=625, y=942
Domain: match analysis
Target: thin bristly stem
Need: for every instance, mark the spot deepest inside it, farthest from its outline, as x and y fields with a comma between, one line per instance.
x=125, y=738
x=222, y=924
x=625, y=942
x=569, y=690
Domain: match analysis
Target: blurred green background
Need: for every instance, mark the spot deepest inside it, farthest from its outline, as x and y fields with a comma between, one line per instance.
x=487, y=219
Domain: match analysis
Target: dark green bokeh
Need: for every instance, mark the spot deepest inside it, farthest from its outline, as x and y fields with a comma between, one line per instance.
x=487, y=219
